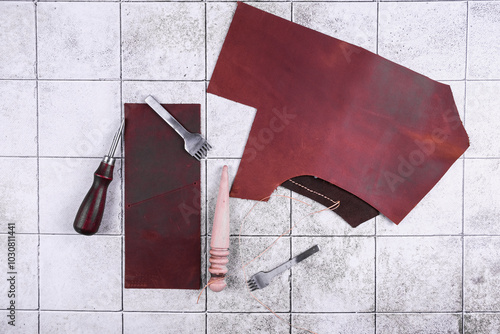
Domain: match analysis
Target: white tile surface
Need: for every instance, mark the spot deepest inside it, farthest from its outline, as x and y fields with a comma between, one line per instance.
x=19, y=194
x=481, y=323
x=482, y=274
x=78, y=118
x=458, y=90
x=236, y=297
x=154, y=0
x=265, y=218
x=163, y=300
x=325, y=222
x=79, y=40
x=228, y=126
x=482, y=121
x=247, y=323
x=60, y=202
x=76, y=0
x=219, y=16
x=80, y=273
x=334, y=323
x=481, y=186
x=354, y=23
x=157, y=323
x=25, y=281
x=341, y=276
x=419, y=274
x=439, y=212
x=26, y=323
x=163, y=41
x=18, y=118
x=80, y=322
x=164, y=91
x=483, y=52
x=419, y=323
x=427, y=37
x=167, y=92
x=17, y=41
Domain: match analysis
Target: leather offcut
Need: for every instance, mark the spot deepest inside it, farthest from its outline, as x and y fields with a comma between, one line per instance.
x=162, y=200
x=335, y=111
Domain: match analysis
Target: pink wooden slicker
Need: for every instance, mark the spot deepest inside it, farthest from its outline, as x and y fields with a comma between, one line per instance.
x=219, y=245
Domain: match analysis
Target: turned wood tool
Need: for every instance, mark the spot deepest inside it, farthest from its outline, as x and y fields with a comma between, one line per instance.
x=219, y=244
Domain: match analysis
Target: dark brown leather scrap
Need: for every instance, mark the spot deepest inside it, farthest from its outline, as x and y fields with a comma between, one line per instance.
x=353, y=210
x=329, y=109
x=162, y=200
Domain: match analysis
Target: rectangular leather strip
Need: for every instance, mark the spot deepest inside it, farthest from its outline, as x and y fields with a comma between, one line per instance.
x=162, y=200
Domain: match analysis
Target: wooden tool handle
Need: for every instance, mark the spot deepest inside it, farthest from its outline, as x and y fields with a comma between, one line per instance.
x=89, y=216
x=219, y=244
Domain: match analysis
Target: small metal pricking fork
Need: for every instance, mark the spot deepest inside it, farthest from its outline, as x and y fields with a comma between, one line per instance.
x=263, y=278
x=194, y=143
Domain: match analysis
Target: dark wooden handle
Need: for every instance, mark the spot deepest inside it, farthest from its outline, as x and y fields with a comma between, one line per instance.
x=89, y=216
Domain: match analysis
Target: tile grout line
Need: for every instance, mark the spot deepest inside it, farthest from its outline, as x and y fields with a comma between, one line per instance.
x=463, y=166
x=252, y=1
x=206, y=247
x=375, y=279
x=122, y=190
x=101, y=235
x=203, y=80
x=378, y=26
x=376, y=219
x=205, y=218
x=291, y=222
x=463, y=246
x=253, y=312
x=112, y=79
x=206, y=124
x=206, y=52
x=35, y=4
x=208, y=158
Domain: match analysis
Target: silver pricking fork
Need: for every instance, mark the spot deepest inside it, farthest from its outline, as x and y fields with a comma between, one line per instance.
x=194, y=143
x=263, y=278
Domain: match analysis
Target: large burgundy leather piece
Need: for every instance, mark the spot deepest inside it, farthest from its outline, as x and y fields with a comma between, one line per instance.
x=162, y=200
x=330, y=109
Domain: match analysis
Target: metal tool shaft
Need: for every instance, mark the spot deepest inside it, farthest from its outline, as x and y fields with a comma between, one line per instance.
x=263, y=278
x=116, y=139
x=288, y=264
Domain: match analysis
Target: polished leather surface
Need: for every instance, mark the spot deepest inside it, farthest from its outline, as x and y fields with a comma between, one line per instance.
x=162, y=200
x=333, y=110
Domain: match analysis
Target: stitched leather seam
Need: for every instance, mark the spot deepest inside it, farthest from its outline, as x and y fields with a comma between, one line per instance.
x=314, y=192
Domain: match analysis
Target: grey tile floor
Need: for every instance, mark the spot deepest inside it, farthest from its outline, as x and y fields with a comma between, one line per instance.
x=66, y=68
